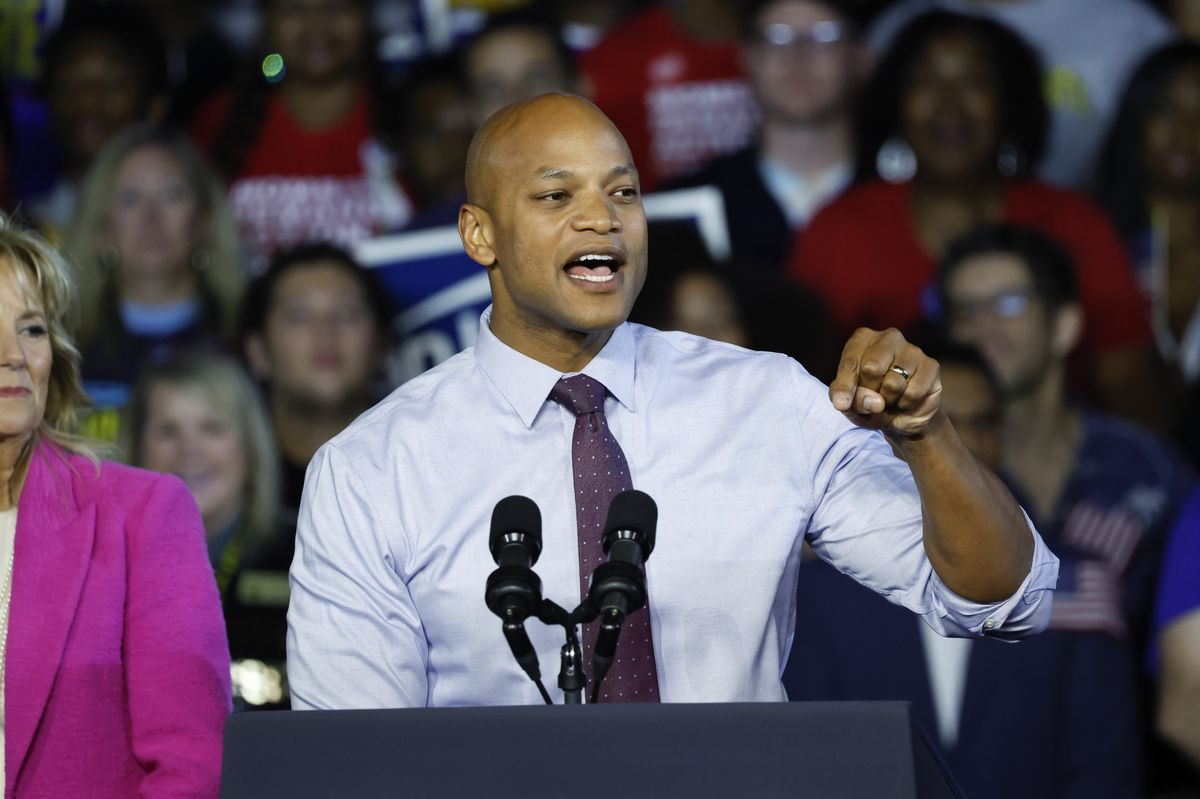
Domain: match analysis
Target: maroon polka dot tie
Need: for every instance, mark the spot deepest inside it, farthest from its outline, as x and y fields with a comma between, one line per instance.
x=601, y=472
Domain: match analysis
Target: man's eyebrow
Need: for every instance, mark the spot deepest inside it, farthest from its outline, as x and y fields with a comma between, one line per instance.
x=553, y=173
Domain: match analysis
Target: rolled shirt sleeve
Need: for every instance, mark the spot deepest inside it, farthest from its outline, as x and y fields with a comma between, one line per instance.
x=867, y=523
x=1024, y=613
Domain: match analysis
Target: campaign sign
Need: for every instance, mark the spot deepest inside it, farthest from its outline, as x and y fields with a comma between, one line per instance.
x=438, y=292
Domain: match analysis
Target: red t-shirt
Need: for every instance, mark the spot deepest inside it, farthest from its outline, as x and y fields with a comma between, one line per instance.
x=679, y=102
x=301, y=185
x=862, y=256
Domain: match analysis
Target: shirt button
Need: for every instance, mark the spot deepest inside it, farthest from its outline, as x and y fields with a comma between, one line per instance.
x=990, y=624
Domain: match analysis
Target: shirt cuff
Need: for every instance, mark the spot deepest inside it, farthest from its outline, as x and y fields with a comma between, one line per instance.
x=1025, y=613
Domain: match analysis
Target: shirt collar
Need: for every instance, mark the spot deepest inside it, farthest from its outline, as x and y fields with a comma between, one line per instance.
x=525, y=383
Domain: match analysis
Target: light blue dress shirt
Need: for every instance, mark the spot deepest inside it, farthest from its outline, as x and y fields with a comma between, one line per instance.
x=744, y=455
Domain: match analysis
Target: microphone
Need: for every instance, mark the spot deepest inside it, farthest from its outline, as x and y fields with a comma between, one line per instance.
x=514, y=592
x=516, y=537
x=619, y=585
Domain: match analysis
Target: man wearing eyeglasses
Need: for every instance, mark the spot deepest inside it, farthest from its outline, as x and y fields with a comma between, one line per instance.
x=1064, y=705
x=805, y=63
x=1101, y=491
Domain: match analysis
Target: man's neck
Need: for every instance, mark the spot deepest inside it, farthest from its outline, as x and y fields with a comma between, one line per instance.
x=807, y=150
x=1041, y=441
x=322, y=106
x=563, y=351
x=1035, y=419
x=300, y=431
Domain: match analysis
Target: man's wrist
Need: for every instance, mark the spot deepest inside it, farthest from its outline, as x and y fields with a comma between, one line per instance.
x=933, y=434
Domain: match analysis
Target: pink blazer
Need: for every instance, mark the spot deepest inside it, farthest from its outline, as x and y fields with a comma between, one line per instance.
x=117, y=666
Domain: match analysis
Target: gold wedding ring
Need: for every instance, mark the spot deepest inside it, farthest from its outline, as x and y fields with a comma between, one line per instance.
x=900, y=370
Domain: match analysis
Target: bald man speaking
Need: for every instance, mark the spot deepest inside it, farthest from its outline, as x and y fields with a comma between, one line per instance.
x=563, y=401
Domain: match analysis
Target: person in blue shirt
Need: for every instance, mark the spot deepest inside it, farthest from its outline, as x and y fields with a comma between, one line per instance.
x=1102, y=491
x=1063, y=705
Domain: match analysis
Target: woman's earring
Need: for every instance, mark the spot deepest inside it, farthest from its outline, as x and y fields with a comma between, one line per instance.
x=1009, y=161
x=896, y=162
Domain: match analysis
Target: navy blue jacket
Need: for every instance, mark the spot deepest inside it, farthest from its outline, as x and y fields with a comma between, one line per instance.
x=1050, y=717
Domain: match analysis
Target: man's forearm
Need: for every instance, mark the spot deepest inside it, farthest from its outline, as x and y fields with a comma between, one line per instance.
x=975, y=534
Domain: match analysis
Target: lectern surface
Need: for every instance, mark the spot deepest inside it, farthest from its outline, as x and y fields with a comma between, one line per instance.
x=830, y=750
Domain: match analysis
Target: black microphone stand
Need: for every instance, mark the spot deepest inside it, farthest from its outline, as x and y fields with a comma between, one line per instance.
x=618, y=587
x=628, y=581
x=572, y=678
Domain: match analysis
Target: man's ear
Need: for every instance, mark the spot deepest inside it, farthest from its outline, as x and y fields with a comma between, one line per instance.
x=475, y=230
x=1067, y=329
x=256, y=356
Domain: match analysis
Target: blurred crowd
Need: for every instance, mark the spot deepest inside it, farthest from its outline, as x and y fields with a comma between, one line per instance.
x=1014, y=184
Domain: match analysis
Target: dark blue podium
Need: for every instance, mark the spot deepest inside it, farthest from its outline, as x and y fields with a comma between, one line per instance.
x=808, y=750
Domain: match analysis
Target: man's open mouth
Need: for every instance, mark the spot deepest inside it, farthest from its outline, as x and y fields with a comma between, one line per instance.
x=596, y=266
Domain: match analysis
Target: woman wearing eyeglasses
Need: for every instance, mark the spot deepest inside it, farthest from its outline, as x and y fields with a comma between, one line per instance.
x=949, y=131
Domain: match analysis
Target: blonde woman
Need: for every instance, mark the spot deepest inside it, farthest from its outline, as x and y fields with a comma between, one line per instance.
x=158, y=256
x=115, y=675
x=197, y=415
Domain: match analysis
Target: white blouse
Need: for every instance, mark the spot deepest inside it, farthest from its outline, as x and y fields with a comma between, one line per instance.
x=8, y=534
